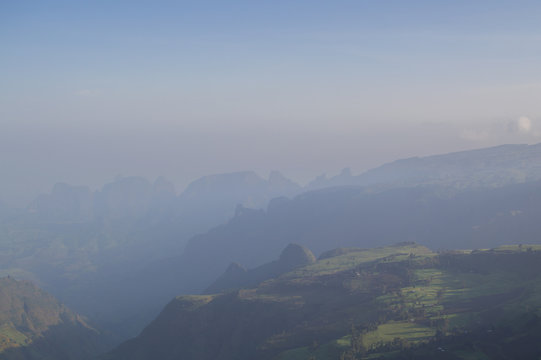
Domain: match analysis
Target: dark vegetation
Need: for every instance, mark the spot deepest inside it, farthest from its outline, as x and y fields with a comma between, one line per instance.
x=516, y=339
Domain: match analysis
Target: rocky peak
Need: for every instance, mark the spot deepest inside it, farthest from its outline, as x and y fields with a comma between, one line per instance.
x=296, y=255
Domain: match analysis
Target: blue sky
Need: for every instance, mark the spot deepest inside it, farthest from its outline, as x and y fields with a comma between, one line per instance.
x=92, y=89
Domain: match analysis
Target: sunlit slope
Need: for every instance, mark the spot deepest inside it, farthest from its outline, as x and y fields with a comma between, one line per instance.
x=34, y=325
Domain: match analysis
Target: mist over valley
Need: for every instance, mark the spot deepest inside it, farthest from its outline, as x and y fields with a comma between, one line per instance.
x=282, y=180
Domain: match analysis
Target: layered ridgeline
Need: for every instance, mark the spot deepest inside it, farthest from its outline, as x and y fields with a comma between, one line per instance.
x=402, y=301
x=135, y=197
x=34, y=325
x=441, y=211
x=118, y=254
x=129, y=197
x=434, y=216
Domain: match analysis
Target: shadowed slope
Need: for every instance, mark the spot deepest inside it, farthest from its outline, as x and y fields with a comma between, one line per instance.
x=236, y=276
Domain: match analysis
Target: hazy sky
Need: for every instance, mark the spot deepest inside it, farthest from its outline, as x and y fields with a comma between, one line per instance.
x=93, y=89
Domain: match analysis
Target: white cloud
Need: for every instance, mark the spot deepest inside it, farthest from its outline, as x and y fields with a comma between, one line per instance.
x=524, y=124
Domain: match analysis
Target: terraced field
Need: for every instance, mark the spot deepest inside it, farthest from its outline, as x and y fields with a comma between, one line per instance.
x=440, y=299
x=358, y=303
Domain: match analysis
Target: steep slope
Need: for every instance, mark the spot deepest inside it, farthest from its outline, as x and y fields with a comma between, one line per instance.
x=34, y=325
x=385, y=299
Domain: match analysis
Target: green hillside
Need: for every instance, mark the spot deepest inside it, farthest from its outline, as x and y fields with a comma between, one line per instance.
x=353, y=303
x=34, y=325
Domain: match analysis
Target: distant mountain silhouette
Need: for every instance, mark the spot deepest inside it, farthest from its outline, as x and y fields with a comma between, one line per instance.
x=211, y=200
x=207, y=201
x=127, y=197
x=488, y=167
x=345, y=178
x=64, y=203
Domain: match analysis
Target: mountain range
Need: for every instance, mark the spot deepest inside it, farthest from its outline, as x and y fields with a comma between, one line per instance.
x=119, y=254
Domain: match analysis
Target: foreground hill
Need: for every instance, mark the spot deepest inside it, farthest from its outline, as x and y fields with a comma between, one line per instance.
x=352, y=302
x=34, y=325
